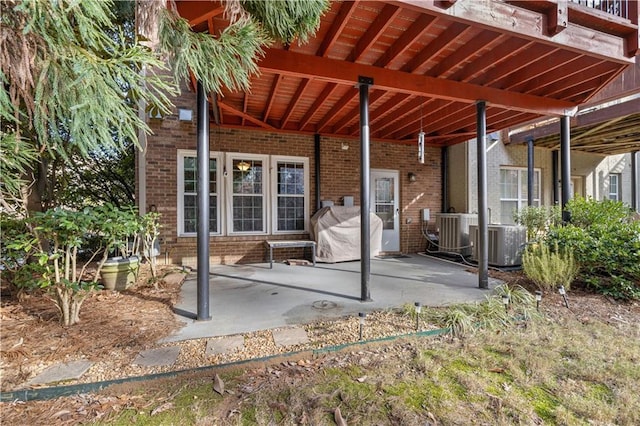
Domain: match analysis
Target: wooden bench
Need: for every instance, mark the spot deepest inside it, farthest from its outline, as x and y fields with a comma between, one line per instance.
x=288, y=244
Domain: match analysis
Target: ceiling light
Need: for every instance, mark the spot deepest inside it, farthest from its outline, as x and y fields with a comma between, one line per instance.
x=243, y=166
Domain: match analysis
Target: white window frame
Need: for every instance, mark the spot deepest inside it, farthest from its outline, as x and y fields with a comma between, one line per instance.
x=182, y=154
x=617, y=194
x=521, y=200
x=275, y=159
x=266, y=200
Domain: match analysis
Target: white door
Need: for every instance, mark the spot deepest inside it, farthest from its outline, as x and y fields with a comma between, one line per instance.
x=385, y=199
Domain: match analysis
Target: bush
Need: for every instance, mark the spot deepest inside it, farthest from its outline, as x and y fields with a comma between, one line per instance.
x=548, y=268
x=606, y=244
x=537, y=220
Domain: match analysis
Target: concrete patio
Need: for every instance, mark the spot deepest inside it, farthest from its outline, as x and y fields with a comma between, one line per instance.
x=246, y=298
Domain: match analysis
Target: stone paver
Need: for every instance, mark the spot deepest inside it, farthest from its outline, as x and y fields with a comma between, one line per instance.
x=158, y=357
x=174, y=278
x=290, y=336
x=61, y=372
x=224, y=345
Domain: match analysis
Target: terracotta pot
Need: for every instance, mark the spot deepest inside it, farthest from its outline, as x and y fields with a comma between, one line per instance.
x=120, y=273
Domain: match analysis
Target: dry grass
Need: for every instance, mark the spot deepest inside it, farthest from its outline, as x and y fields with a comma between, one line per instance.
x=571, y=366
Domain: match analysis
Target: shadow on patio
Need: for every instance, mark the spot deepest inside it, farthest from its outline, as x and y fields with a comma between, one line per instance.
x=245, y=298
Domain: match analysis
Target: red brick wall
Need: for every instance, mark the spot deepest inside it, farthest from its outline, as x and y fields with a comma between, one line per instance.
x=340, y=176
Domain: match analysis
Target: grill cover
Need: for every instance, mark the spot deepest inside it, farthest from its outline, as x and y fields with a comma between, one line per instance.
x=336, y=230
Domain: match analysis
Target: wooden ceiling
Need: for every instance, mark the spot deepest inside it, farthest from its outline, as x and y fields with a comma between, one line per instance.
x=430, y=62
x=614, y=129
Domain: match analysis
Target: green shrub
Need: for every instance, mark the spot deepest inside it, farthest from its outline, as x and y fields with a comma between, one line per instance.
x=537, y=220
x=606, y=244
x=587, y=211
x=548, y=268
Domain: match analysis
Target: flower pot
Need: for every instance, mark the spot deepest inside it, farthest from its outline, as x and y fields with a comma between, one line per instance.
x=120, y=273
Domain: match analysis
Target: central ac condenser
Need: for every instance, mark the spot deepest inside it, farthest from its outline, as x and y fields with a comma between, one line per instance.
x=505, y=244
x=453, y=231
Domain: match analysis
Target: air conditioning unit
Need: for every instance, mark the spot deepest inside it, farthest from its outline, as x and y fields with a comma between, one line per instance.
x=453, y=231
x=505, y=244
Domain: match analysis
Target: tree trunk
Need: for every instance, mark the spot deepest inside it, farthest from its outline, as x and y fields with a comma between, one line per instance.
x=64, y=302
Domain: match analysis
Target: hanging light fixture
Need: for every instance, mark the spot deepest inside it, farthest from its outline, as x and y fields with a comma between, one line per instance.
x=421, y=140
x=243, y=166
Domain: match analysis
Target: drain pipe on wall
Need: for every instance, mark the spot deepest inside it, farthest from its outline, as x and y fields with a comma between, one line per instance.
x=316, y=141
x=444, y=170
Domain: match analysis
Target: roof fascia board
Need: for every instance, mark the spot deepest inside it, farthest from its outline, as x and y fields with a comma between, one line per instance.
x=504, y=17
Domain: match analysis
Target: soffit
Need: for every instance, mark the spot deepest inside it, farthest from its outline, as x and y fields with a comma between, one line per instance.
x=430, y=61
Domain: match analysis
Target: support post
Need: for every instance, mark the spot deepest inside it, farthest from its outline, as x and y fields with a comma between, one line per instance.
x=203, y=204
x=483, y=226
x=316, y=142
x=565, y=165
x=554, y=176
x=365, y=226
x=530, y=171
x=634, y=181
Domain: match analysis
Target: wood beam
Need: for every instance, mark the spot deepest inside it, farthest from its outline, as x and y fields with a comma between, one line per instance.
x=341, y=72
x=502, y=53
x=346, y=10
x=504, y=17
x=542, y=68
x=337, y=108
x=328, y=90
x=355, y=112
x=463, y=53
x=197, y=12
x=582, y=119
x=581, y=72
x=443, y=41
x=513, y=63
x=294, y=101
x=419, y=27
x=381, y=23
x=272, y=95
x=245, y=116
x=595, y=129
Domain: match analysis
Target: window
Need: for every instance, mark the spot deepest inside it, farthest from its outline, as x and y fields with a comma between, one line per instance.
x=290, y=189
x=614, y=186
x=248, y=197
x=187, y=193
x=513, y=191
x=262, y=194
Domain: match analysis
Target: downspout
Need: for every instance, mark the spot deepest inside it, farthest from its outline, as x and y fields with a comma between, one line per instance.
x=444, y=170
x=634, y=181
x=554, y=176
x=316, y=140
x=530, y=171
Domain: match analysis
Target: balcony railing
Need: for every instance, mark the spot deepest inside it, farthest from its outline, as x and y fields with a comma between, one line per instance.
x=614, y=7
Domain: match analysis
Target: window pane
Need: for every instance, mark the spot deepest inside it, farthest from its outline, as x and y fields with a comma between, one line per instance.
x=290, y=213
x=190, y=208
x=247, y=214
x=508, y=183
x=506, y=211
x=384, y=190
x=290, y=178
x=190, y=213
x=247, y=176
